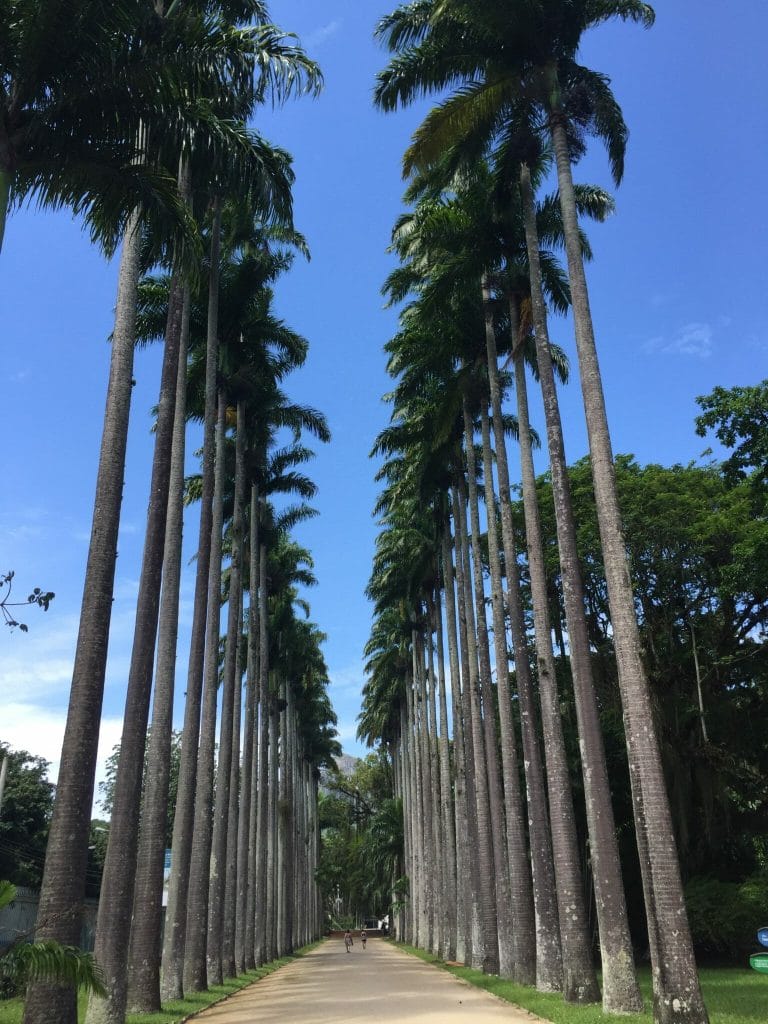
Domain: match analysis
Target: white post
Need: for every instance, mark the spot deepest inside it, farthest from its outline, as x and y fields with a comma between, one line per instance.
x=3, y=774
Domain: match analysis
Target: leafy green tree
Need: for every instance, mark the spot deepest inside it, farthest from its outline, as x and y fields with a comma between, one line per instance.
x=25, y=814
x=107, y=786
x=699, y=561
x=513, y=63
x=739, y=418
x=361, y=854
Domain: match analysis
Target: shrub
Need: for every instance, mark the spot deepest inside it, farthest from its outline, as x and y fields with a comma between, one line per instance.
x=724, y=916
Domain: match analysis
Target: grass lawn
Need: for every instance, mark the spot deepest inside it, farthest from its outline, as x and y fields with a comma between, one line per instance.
x=172, y=1013
x=732, y=995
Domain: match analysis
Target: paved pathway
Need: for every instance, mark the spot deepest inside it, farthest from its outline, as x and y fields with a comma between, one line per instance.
x=380, y=985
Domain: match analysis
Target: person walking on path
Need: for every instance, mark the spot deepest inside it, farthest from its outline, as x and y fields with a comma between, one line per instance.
x=363, y=937
x=348, y=939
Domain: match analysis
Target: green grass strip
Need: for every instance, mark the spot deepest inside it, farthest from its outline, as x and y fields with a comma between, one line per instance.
x=11, y=1010
x=732, y=995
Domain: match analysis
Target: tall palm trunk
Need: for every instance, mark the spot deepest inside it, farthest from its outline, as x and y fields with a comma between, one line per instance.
x=417, y=862
x=427, y=860
x=230, y=887
x=146, y=929
x=676, y=982
x=438, y=841
x=462, y=828
x=220, y=842
x=486, y=941
x=289, y=818
x=246, y=836
x=282, y=821
x=405, y=931
x=421, y=902
x=195, y=970
x=579, y=979
x=577, y=976
x=546, y=967
x=472, y=916
x=271, y=905
x=620, y=989
x=506, y=809
x=63, y=885
x=175, y=930
x=447, y=832
x=113, y=923
x=262, y=809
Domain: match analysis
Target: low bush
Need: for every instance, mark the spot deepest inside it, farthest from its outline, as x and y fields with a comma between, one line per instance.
x=724, y=916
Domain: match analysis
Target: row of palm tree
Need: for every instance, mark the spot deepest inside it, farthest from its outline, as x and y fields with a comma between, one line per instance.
x=166, y=163
x=490, y=829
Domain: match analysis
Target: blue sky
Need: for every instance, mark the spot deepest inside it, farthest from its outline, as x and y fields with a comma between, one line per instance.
x=678, y=289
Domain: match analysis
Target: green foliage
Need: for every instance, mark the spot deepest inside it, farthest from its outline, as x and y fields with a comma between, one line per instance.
x=161, y=80
x=26, y=814
x=724, y=916
x=739, y=418
x=361, y=842
x=49, y=961
x=107, y=787
x=700, y=564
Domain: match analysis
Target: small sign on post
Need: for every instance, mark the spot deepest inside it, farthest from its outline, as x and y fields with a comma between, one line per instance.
x=166, y=876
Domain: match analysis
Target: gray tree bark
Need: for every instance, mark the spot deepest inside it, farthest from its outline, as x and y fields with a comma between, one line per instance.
x=676, y=983
x=113, y=924
x=175, y=931
x=63, y=885
x=195, y=954
x=145, y=947
x=506, y=809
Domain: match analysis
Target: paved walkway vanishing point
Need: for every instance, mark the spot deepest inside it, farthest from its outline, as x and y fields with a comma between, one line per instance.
x=379, y=985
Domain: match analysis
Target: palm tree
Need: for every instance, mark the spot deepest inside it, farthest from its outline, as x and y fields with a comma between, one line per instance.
x=436, y=227
x=537, y=64
x=479, y=239
x=61, y=149
x=62, y=883
x=145, y=942
x=174, y=941
x=620, y=987
x=116, y=897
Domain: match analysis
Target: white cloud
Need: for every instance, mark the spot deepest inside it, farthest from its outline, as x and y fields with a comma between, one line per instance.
x=40, y=730
x=693, y=339
x=347, y=679
x=318, y=36
x=39, y=663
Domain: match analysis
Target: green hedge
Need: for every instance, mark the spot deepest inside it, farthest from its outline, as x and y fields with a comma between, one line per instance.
x=725, y=916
